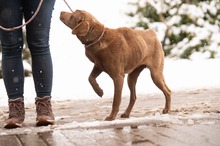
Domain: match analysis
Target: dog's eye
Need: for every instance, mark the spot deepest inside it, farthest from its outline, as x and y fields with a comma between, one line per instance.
x=80, y=21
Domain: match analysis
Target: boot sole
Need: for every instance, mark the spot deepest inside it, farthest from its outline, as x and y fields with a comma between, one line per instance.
x=42, y=122
x=12, y=125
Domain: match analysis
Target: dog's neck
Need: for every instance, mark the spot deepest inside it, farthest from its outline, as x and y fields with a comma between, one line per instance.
x=92, y=43
x=93, y=36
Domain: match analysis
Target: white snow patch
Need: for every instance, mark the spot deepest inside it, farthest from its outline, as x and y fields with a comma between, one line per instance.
x=133, y=122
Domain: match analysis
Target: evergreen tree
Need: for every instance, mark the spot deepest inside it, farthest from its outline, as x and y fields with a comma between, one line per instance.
x=186, y=28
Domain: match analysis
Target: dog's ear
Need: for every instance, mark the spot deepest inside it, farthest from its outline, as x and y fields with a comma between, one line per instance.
x=81, y=29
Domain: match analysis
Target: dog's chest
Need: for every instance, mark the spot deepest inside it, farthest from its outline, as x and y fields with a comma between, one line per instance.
x=90, y=56
x=96, y=59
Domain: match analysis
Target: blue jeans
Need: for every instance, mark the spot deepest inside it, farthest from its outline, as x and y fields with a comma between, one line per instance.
x=12, y=13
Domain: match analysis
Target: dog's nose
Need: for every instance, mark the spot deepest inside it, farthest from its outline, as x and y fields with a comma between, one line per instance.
x=61, y=15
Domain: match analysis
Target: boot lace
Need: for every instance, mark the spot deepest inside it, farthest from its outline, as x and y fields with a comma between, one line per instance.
x=15, y=110
x=43, y=108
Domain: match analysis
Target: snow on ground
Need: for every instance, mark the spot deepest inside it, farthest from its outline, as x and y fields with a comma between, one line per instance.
x=134, y=122
x=72, y=68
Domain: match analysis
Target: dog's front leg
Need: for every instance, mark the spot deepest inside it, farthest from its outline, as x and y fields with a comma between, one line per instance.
x=118, y=85
x=92, y=79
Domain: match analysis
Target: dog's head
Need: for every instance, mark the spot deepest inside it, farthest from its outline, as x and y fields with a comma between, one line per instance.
x=79, y=21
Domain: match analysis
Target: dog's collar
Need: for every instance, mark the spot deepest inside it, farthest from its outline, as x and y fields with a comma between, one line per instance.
x=86, y=46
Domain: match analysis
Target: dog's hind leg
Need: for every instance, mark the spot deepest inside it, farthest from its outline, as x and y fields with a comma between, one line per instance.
x=158, y=79
x=132, y=80
x=92, y=79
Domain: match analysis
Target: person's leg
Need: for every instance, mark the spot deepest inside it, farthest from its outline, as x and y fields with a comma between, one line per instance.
x=38, y=42
x=12, y=45
x=12, y=67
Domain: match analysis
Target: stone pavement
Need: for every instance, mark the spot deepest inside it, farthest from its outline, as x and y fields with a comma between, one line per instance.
x=194, y=121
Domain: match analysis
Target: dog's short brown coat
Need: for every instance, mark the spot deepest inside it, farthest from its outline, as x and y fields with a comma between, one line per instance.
x=118, y=52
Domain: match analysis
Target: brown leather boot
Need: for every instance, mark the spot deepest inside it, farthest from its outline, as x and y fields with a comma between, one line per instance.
x=45, y=115
x=16, y=113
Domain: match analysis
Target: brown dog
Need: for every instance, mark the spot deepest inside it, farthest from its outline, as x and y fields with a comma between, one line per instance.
x=117, y=52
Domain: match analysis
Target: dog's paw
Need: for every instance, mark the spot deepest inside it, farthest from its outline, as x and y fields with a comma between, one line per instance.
x=166, y=111
x=109, y=118
x=100, y=92
x=124, y=115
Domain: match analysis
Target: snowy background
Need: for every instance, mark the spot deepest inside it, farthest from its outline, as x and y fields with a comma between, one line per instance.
x=72, y=68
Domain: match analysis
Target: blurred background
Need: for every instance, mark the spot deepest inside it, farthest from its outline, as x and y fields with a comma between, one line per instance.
x=189, y=31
